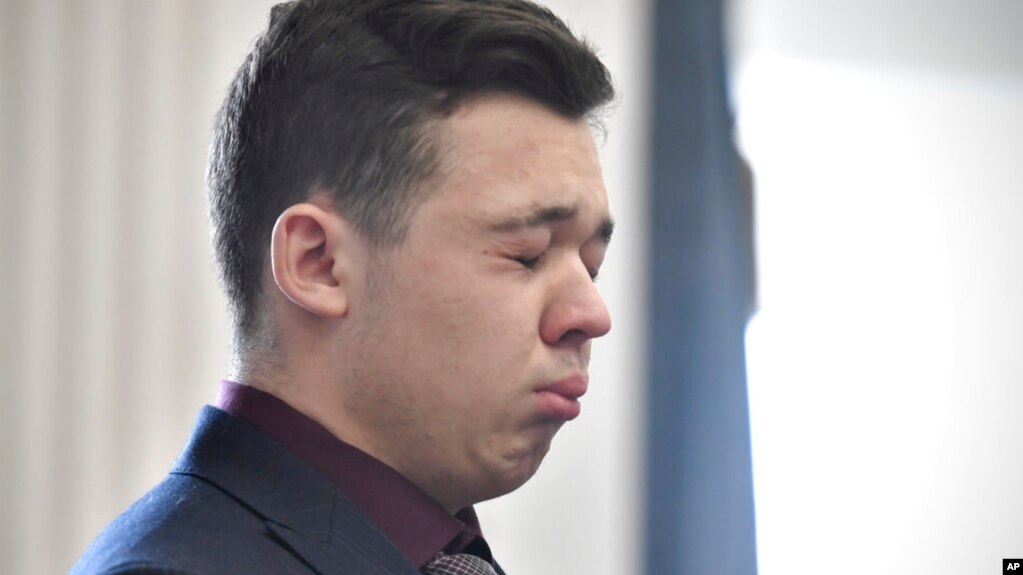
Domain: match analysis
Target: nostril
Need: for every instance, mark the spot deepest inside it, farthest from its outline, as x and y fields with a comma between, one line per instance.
x=574, y=337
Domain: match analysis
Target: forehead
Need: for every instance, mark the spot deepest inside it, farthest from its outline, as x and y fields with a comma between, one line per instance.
x=505, y=153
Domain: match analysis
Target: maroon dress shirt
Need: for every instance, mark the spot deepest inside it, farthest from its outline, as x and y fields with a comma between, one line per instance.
x=417, y=524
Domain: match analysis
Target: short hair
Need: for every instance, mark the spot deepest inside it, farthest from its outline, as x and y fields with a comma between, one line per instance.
x=340, y=96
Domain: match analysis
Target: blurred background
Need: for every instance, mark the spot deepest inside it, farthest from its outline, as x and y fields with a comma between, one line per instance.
x=886, y=362
x=866, y=420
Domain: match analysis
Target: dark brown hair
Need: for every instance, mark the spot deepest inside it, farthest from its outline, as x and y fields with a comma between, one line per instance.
x=339, y=95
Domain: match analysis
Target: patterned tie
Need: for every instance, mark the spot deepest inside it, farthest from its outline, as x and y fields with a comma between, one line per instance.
x=460, y=564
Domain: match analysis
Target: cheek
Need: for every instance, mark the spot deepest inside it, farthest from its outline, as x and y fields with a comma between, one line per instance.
x=472, y=307
x=502, y=327
x=460, y=317
x=473, y=341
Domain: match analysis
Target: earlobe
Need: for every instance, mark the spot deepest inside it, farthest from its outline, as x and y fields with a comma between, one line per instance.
x=309, y=260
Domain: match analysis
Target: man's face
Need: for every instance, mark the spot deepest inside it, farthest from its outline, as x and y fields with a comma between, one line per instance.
x=474, y=336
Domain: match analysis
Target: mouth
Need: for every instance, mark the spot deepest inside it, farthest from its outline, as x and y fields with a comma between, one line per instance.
x=561, y=398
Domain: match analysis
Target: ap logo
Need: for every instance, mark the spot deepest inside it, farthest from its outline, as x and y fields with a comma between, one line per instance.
x=1012, y=566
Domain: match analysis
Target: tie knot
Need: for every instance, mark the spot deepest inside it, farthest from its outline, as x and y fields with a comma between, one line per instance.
x=458, y=564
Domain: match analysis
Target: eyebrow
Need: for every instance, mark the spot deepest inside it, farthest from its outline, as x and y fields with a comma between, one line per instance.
x=551, y=215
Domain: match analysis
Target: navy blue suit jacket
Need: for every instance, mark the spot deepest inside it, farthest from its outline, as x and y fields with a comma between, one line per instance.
x=238, y=501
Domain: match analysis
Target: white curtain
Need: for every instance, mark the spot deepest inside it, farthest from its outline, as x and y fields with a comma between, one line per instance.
x=113, y=327
x=113, y=331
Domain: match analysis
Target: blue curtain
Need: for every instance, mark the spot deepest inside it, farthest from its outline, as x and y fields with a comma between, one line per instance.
x=699, y=475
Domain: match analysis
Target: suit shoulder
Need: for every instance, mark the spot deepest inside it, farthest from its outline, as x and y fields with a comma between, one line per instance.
x=186, y=525
x=143, y=568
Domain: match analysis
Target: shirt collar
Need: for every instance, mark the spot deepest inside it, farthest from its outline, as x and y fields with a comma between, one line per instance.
x=416, y=523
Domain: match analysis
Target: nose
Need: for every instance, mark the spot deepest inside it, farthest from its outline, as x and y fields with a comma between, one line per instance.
x=575, y=313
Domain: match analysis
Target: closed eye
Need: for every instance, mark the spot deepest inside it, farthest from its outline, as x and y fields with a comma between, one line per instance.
x=529, y=262
x=532, y=262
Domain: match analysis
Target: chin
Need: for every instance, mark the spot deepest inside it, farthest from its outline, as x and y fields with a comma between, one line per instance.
x=505, y=484
x=508, y=468
x=518, y=466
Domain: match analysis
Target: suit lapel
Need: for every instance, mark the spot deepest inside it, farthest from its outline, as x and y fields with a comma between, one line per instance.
x=303, y=510
x=355, y=554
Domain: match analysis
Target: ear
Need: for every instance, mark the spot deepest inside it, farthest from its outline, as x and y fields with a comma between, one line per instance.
x=311, y=254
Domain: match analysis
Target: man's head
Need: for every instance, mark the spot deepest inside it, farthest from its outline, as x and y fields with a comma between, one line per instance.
x=345, y=96
x=407, y=211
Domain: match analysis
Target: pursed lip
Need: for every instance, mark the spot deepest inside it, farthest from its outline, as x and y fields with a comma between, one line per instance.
x=572, y=387
x=560, y=400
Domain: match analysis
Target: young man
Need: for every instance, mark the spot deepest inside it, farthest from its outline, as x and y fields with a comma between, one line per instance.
x=408, y=213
